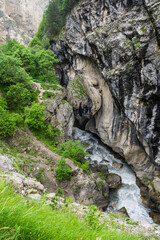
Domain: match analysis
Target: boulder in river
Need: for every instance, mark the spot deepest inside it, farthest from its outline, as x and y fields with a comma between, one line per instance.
x=117, y=165
x=114, y=181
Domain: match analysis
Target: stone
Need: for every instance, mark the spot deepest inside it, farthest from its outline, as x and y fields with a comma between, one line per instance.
x=90, y=190
x=114, y=181
x=117, y=165
x=103, y=169
x=27, y=185
x=123, y=211
x=35, y=196
x=6, y=164
x=50, y=195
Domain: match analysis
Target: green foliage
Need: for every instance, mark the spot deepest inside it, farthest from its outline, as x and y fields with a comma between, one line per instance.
x=100, y=175
x=8, y=122
x=36, y=61
x=23, y=219
x=35, y=117
x=11, y=71
x=3, y=103
x=54, y=19
x=85, y=166
x=54, y=86
x=128, y=221
x=45, y=60
x=63, y=171
x=47, y=95
x=93, y=216
x=18, y=96
x=59, y=192
x=73, y=150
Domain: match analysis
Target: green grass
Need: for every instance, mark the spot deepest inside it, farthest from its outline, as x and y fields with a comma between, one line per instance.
x=22, y=219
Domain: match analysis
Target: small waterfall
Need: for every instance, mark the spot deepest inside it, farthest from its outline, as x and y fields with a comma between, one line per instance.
x=128, y=195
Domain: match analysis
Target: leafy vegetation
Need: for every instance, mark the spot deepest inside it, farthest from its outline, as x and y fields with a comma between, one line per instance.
x=18, y=67
x=63, y=171
x=93, y=216
x=54, y=19
x=23, y=219
x=35, y=116
x=75, y=151
x=8, y=122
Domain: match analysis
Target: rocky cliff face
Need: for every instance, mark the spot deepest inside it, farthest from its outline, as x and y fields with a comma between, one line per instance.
x=110, y=64
x=20, y=19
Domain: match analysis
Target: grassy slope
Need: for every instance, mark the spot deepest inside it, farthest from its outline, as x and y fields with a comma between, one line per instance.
x=21, y=219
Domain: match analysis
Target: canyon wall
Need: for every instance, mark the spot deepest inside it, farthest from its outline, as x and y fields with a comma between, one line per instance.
x=110, y=65
x=20, y=19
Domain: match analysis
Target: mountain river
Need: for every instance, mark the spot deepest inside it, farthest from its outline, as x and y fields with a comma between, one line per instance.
x=128, y=195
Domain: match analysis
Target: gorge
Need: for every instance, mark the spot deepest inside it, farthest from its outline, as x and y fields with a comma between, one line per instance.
x=112, y=49
x=96, y=80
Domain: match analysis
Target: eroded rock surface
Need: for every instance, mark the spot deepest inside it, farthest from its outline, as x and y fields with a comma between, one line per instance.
x=110, y=52
x=20, y=19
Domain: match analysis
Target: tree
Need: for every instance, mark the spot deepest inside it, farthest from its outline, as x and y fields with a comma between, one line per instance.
x=18, y=96
x=35, y=116
x=11, y=71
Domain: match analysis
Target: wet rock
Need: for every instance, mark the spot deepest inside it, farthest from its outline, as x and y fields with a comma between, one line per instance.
x=155, y=216
x=114, y=181
x=117, y=165
x=103, y=169
x=114, y=204
x=123, y=211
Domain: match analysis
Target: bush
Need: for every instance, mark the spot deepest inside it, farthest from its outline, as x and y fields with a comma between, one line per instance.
x=11, y=71
x=63, y=171
x=73, y=150
x=18, y=96
x=47, y=95
x=93, y=216
x=3, y=103
x=8, y=122
x=35, y=117
x=16, y=61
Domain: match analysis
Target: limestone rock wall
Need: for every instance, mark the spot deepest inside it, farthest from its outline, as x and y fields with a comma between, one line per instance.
x=20, y=19
x=110, y=52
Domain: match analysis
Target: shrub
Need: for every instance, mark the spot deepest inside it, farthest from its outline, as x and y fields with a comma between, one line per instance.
x=11, y=71
x=18, y=96
x=3, y=103
x=93, y=216
x=59, y=192
x=8, y=122
x=35, y=116
x=73, y=150
x=85, y=166
x=47, y=95
x=63, y=171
